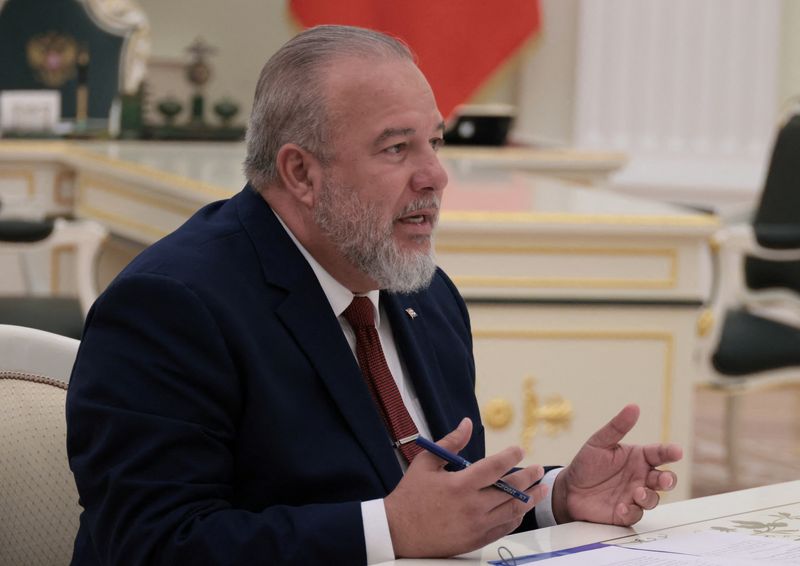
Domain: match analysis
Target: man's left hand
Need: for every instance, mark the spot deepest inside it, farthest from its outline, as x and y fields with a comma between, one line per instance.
x=613, y=483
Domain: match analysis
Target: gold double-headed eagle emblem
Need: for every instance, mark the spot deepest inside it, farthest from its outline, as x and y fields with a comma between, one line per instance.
x=53, y=57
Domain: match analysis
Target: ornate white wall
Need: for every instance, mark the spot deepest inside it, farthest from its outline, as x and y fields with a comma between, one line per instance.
x=688, y=88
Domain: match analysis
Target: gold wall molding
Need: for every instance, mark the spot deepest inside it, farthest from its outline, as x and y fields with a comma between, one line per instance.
x=77, y=158
x=117, y=219
x=162, y=177
x=87, y=182
x=26, y=175
x=55, y=265
x=668, y=254
x=666, y=338
x=655, y=220
x=61, y=195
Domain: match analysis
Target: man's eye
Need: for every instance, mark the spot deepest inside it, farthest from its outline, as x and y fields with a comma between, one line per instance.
x=396, y=148
x=437, y=143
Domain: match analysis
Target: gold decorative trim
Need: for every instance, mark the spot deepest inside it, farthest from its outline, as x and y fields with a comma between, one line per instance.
x=670, y=220
x=556, y=413
x=97, y=183
x=104, y=184
x=116, y=219
x=670, y=282
x=60, y=194
x=52, y=149
x=667, y=338
x=25, y=174
x=537, y=157
x=705, y=322
x=497, y=413
x=55, y=265
x=70, y=155
x=151, y=173
x=562, y=282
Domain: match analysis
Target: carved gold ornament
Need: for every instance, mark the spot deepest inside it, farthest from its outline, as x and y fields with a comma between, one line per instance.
x=53, y=57
x=555, y=413
x=498, y=413
x=705, y=322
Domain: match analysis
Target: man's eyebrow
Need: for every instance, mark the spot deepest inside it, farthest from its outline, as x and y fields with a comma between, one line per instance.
x=391, y=133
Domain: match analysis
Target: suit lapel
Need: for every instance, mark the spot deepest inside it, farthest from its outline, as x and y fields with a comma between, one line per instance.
x=307, y=315
x=321, y=338
x=413, y=341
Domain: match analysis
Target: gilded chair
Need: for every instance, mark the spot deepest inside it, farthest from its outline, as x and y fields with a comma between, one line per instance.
x=39, y=510
x=57, y=44
x=48, y=269
x=755, y=342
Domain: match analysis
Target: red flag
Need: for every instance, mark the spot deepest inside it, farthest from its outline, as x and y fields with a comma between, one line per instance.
x=460, y=44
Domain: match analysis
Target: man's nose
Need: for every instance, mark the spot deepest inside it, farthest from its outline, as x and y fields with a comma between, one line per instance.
x=430, y=174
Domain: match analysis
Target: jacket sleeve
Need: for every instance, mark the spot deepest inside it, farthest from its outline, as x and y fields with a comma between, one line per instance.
x=152, y=413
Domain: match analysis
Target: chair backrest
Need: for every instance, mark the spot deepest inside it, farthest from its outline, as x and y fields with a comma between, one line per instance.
x=41, y=42
x=776, y=223
x=39, y=511
x=756, y=304
x=777, y=218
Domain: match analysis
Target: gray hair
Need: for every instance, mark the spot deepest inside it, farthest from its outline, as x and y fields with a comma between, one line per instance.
x=289, y=104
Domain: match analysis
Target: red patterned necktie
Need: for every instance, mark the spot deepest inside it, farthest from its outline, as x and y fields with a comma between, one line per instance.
x=381, y=383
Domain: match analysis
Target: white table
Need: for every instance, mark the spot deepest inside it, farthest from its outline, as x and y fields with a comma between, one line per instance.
x=757, y=506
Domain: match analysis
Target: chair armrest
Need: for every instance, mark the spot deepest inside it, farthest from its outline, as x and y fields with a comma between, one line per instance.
x=17, y=230
x=741, y=239
x=85, y=237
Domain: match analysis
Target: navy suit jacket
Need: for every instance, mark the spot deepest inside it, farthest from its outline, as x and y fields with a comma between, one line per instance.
x=216, y=414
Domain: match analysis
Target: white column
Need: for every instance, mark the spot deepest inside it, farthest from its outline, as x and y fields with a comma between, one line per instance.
x=687, y=88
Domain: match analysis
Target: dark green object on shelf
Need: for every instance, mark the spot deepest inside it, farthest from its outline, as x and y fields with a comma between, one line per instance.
x=226, y=109
x=169, y=108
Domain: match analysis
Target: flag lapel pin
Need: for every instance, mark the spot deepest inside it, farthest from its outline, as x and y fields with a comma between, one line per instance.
x=411, y=313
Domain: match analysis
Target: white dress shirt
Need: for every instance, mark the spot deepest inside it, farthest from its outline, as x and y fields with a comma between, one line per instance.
x=373, y=513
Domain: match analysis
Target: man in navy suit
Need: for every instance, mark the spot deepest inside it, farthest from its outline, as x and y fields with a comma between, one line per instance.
x=217, y=413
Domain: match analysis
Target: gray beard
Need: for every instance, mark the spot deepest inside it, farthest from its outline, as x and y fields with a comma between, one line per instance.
x=355, y=229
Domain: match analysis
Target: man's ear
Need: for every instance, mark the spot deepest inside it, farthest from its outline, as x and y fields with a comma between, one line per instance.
x=299, y=171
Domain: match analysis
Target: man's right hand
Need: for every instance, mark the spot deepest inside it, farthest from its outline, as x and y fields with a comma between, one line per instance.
x=436, y=513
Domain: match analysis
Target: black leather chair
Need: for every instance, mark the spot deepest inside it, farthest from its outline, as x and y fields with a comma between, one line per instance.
x=756, y=340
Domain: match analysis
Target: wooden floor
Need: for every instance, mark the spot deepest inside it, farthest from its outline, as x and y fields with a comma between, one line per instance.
x=769, y=442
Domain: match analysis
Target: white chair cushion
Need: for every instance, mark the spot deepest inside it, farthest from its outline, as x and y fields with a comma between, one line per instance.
x=36, y=352
x=39, y=508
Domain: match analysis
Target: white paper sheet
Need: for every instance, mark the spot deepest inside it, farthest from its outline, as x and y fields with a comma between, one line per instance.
x=713, y=543
x=620, y=556
x=695, y=549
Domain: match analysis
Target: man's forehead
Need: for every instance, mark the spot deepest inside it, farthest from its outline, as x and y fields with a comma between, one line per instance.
x=389, y=96
x=353, y=77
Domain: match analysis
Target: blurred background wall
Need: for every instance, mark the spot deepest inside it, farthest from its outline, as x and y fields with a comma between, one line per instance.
x=729, y=66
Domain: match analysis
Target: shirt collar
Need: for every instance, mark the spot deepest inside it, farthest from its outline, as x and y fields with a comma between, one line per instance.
x=338, y=295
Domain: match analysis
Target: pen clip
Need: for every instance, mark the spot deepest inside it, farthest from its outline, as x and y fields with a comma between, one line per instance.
x=405, y=440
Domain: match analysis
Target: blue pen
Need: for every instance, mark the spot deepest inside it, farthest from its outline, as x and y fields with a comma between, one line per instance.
x=462, y=463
